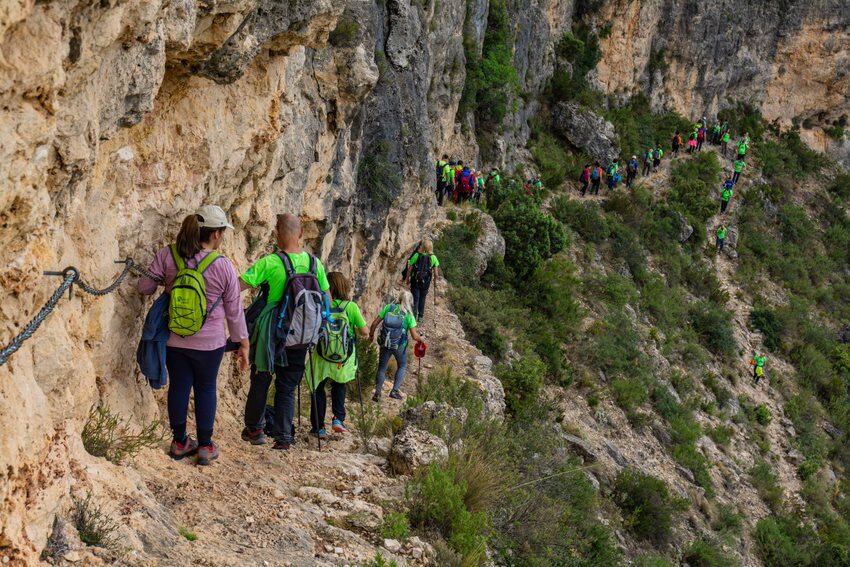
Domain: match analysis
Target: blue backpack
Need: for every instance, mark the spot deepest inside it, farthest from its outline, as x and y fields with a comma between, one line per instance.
x=393, y=334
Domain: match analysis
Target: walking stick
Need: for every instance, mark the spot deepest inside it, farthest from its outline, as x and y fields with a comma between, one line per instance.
x=299, y=405
x=314, y=409
x=359, y=395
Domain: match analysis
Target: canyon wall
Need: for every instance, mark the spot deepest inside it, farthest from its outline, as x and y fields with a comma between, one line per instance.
x=120, y=117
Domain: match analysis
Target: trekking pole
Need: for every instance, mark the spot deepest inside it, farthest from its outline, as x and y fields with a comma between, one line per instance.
x=359, y=395
x=299, y=405
x=314, y=409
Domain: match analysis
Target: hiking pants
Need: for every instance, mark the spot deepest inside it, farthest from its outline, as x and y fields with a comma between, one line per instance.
x=646, y=167
x=321, y=405
x=400, y=355
x=440, y=192
x=735, y=176
x=675, y=148
x=584, y=185
x=630, y=177
x=723, y=205
x=595, y=188
x=699, y=144
x=720, y=243
x=419, y=296
x=286, y=381
x=188, y=370
x=656, y=162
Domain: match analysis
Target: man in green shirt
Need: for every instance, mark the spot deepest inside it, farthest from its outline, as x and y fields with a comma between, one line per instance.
x=270, y=270
x=726, y=195
x=739, y=167
x=758, y=362
x=420, y=275
x=721, y=237
x=724, y=142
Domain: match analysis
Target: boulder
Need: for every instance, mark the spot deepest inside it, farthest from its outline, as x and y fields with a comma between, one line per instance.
x=490, y=244
x=685, y=228
x=425, y=416
x=586, y=130
x=413, y=448
x=581, y=447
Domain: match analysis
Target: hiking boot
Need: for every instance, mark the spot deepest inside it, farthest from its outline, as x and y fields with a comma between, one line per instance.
x=255, y=437
x=281, y=446
x=321, y=434
x=376, y=397
x=338, y=427
x=184, y=449
x=396, y=395
x=207, y=454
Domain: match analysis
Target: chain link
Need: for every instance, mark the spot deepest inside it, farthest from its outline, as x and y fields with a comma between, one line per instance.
x=71, y=276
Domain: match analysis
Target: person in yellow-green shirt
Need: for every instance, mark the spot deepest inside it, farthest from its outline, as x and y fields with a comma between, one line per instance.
x=397, y=321
x=288, y=369
x=339, y=344
x=423, y=267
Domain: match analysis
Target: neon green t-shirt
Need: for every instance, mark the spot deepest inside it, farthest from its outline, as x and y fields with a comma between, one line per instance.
x=726, y=137
x=409, y=319
x=321, y=369
x=739, y=166
x=721, y=233
x=352, y=312
x=760, y=360
x=434, y=262
x=269, y=269
x=726, y=195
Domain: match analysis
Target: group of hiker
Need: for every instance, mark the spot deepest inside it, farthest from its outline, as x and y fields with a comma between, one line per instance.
x=460, y=182
x=303, y=322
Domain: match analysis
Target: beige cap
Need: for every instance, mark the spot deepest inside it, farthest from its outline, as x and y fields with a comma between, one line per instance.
x=212, y=216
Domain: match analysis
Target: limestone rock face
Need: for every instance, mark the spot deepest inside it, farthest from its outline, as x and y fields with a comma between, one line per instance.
x=586, y=130
x=413, y=448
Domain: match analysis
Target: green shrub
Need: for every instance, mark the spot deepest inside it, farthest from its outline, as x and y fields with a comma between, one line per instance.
x=482, y=313
x=744, y=117
x=784, y=541
x=648, y=508
x=585, y=218
x=639, y=128
x=615, y=289
x=765, y=482
x=531, y=236
x=629, y=393
x=569, y=82
x=379, y=561
x=367, y=366
x=652, y=560
x=551, y=158
x=713, y=325
x=762, y=415
x=378, y=176
x=703, y=553
x=816, y=371
x=106, y=435
x=771, y=326
x=454, y=249
x=395, y=526
x=840, y=186
x=187, y=534
x=691, y=184
x=444, y=386
x=94, y=525
x=836, y=132
x=721, y=434
x=522, y=380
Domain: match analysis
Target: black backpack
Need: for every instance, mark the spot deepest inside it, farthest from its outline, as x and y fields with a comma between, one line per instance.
x=421, y=275
x=407, y=262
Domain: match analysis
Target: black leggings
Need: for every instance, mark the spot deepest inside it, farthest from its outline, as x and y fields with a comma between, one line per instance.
x=321, y=405
x=286, y=381
x=188, y=370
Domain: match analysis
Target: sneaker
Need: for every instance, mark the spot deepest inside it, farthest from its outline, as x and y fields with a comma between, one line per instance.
x=184, y=449
x=207, y=454
x=376, y=397
x=281, y=446
x=338, y=427
x=321, y=434
x=396, y=395
x=256, y=437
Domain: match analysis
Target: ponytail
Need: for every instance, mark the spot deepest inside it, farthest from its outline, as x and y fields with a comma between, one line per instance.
x=189, y=237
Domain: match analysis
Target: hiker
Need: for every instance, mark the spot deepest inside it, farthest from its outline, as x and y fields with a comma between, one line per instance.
x=758, y=363
x=493, y=180
x=647, y=161
x=631, y=171
x=676, y=143
x=423, y=266
x=285, y=330
x=197, y=338
x=739, y=167
x=613, y=175
x=397, y=321
x=724, y=142
x=715, y=133
x=692, y=142
x=721, y=237
x=479, y=185
x=595, y=178
x=726, y=195
x=656, y=157
x=584, y=179
x=441, y=190
x=448, y=179
x=335, y=359
x=701, y=136
x=464, y=180
x=743, y=146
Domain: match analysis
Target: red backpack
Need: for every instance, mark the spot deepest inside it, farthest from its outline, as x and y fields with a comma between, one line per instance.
x=466, y=181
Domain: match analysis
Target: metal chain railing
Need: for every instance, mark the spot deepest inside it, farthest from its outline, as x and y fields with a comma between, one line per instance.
x=71, y=276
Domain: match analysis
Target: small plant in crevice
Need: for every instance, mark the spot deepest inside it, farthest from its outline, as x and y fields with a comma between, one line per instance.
x=395, y=526
x=187, y=534
x=94, y=525
x=378, y=176
x=106, y=435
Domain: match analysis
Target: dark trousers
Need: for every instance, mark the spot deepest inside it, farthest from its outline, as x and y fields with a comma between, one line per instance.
x=646, y=167
x=419, y=296
x=720, y=243
x=699, y=144
x=595, y=187
x=584, y=185
x=440, y=192
x=735, y=176
x=656, y=162
x=320, y=406
x=630, y=177
x=188, y=370
x=286, y=381
x=723, y=205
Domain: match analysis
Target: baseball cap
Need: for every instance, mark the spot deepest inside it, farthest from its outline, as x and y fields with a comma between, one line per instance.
x=212, y=216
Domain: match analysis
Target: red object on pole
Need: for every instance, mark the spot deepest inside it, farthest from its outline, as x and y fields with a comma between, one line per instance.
x=419, y=349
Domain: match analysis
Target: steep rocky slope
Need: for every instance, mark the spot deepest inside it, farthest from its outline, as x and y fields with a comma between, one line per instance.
x=120, y=117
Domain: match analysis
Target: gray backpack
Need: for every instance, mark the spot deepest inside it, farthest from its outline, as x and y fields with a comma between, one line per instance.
x=301, y=312
x=393, y=334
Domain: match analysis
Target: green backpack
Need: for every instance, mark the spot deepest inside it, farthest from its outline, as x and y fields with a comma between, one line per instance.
x=336, y=340
x=187, y=308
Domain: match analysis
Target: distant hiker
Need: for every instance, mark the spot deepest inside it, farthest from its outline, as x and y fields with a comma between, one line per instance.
x=739, y=167
x=724, y=142
x=701, y=136
x=493, y=179
x=584, y=179
x=287, y=328
x=726, y=195
x=692, y=142
x=441, y=189
x=758, y=363
x=721, y=237
x=464, y=182
x=676, y=143
x=657, y=154
x=743, y=146
x=704, y=122
x=423, y=267
x=631, y=171
x=396, y=320
x=595, y=178
x=613, y=175
x=715, y=133
x=479, y=185
x=647, y=160
x=335, y=359
x=456, y=182
x=203, y=290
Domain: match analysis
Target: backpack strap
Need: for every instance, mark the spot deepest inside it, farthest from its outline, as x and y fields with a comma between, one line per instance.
x=208, y=261
x=178, y=260
x=313, y=264
x=287, y=263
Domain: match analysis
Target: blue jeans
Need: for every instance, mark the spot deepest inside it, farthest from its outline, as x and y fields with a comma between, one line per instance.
x=400, y=355
x=188, y=370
